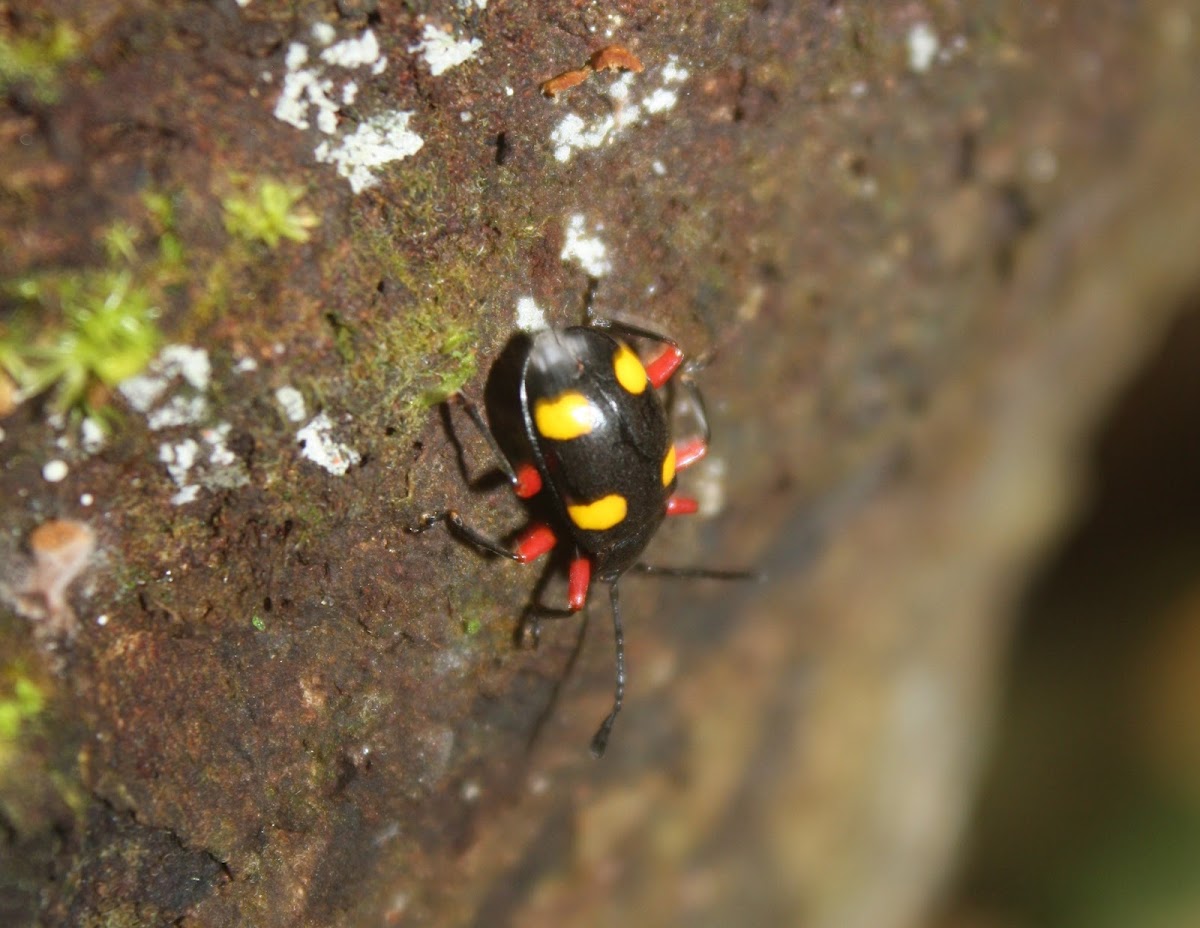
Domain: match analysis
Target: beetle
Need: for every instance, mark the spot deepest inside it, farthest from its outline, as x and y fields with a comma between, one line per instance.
x=602, y=465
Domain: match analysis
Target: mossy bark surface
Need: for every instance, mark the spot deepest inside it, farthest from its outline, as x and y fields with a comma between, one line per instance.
x=924, y=244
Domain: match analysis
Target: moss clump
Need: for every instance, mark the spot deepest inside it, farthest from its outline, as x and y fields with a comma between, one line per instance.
x=82, y=332
x=23, y=701
x=458, y=367
x=108, y=333
x=34, y=63
x=269, y=214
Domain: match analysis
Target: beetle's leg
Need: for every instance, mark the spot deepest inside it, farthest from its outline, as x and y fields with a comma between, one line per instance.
x=600, y=739
x=458, y=527
x=682, y=506
x=567, y=671
x=531, y=544
x=529, y=628
x=692, y=450
x=579, y=577
x=689, y=452
x=525, y=479
x=661, y=368
x=536, y=540
x=528, y=482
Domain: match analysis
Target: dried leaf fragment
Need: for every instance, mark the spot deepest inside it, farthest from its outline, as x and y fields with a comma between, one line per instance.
x=565, y=81
x=609, y=58
x=616, y=58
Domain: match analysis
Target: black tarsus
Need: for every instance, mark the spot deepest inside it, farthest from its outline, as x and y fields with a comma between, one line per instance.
x=459, y=528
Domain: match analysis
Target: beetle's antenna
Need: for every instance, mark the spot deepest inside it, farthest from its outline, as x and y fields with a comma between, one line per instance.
x=697, y=573
x=600, y=739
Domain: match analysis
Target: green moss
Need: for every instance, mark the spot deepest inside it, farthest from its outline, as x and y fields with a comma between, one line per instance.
x=22, y=702
x=269, y=214
x=107, y=333
x=77, y=329
x=35, y=62
x=453, y=375
x=420, y=352
x=161, y=211
x=343, y=336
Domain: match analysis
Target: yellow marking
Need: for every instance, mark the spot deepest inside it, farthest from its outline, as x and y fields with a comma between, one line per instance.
x=669, y=466
x=567, y=416
x=603, y=514
x=628, y=368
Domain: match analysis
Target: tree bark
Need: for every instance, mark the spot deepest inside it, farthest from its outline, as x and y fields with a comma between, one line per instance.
x=923, y=244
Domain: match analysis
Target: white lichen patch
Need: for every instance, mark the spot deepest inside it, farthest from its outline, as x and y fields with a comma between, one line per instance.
x=530, y=317
x=585, y=248
x=91, y=435
x=661, y=100
x=305, y=90
x=442, y=51
x=319, y=446
x=177, y=411
x=323, y=33
x=673, y=73
x=179, y=458
x=181, y=368
x=573, y=133
x=208, y=464
x=314, y=93
x=291, y=401
x=922, y=47
x=354, y=52
x=380, y=140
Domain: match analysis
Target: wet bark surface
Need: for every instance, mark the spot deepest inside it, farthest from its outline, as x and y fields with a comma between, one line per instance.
x=923, y=243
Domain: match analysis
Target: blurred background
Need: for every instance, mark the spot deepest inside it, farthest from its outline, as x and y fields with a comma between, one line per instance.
x=1089, y=810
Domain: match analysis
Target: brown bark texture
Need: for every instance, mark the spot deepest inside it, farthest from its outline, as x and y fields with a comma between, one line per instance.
x=922, y=244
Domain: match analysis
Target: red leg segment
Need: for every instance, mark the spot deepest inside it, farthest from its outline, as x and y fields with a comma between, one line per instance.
x=682, y=506
x=529, y=481
x=578, y=580
x=661, y=368
x=689, y=452
x=535, y=541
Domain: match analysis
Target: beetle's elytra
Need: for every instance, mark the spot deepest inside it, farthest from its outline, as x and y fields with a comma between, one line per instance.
x=603, y=465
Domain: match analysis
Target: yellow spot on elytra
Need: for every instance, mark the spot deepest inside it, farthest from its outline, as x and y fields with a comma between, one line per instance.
x=669, y=466
x=603, y=514
x=565, y=417
x=628, y=368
